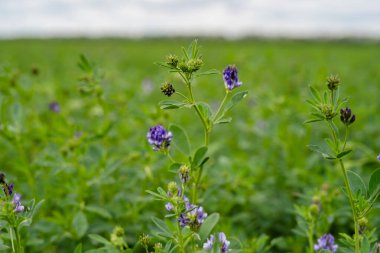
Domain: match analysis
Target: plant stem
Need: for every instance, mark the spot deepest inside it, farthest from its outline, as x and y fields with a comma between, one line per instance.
x=310, y=236
x=18, y=241
x=345, y=138
x=221, y=106
x=11, y=235
x=351, y=198
x=180, y=238
x=204, y=122
x=179, y=93
x=329, y=122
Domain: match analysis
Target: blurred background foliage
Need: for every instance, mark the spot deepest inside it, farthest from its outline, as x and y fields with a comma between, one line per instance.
x=92, y=164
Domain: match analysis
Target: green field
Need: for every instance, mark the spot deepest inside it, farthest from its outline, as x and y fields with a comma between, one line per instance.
x=260, y=166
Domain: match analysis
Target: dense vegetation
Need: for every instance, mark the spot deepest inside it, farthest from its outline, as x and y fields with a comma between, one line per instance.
x=91, y=163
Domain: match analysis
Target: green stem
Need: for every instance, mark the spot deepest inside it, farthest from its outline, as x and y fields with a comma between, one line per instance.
x=204, y=122
x=221, y=106
x=179, y=93
x=18, y=241
x=345, y=138
x=170, y=157
x=334, y=136
x=310, y=236
x=351, y=198
x=11, y=235
x=180, y=238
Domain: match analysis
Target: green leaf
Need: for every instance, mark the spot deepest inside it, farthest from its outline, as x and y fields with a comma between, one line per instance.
x=106, y=249
x=374, y=182
x=311, y=121
x=208, y=72
x=318, y=149
x=236, y=98
x=205, y=110
x=223, y=121
x=180, y=139
x=171, y=104
x=80, y=224
x=84, y=64
x=365, y=246
x=315, y=94
x=344, y=153
x=208, y=225
x=100, y=239
x=313, y=103
x=198, y=156
x=78, y=248
x=356, y=183
x=331, y=144
x=165, y=231
x=99, y=211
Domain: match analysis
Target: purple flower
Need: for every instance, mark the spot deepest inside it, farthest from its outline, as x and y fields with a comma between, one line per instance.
x=193, y=217
x=169, y=206
x=54, y=106
x=224, y=243
x=159, y=138
x=183, y=220
x=199, y=215
x=326, y=242
x=188, y=205
x=230, y=76
x=209, y=244
x=17, y=204
x=9, y=189
x=346, y=117
x=378, y=157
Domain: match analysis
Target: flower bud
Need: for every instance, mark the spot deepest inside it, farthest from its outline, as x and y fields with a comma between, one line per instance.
x=328, y=111
x=158, y=248
x=333, y=82
x=144, y=240
x=167, y=89
x=172, y=60
x=183, y=67
x=314, y=209
x=184, y=174
x=194, y=65
x=173, y=188
x=346, y=117
x=362, y=224
x=117, y=238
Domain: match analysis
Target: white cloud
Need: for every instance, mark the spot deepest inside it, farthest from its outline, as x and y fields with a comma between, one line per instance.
x=205, y=17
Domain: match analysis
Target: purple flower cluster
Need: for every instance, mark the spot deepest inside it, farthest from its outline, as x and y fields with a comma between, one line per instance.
x=8, y=189
x=326, y=242
x=54, y=107
x=346, y=117
x=230, y=76
x=17, y=204
x=159, y=138
x=193, y=216
x=224, y=243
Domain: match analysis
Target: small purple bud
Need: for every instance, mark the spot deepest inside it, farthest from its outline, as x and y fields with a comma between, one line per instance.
x=159, y=138
x=209, y=244
x=230, y=77
x=17, y=204
x=346, y=117
x=326, y=242
x=54, y=107
x=169, y=206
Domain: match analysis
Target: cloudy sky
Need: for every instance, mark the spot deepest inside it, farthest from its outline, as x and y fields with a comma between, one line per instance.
x=229, y=18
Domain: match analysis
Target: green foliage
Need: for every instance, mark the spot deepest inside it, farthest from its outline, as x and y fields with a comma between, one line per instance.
x=258, y=167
